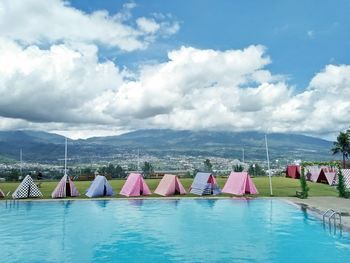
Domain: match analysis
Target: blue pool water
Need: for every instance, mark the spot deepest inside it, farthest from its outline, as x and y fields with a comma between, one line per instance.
x=166, y=231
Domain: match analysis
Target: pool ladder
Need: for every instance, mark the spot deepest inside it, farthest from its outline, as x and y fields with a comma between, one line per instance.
x=10, y=202
x=331, y=214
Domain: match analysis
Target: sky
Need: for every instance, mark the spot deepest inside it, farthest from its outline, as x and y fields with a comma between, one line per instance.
x=105, y=67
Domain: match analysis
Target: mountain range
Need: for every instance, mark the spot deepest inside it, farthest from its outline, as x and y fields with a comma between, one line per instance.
x=45, y=147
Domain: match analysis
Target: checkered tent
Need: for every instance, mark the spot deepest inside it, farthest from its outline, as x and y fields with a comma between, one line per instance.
x=65, y=188
x=2, y=194
x=346, y=174
x=27, y=189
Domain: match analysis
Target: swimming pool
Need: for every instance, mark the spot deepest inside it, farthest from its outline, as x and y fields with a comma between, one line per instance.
x=196, y=230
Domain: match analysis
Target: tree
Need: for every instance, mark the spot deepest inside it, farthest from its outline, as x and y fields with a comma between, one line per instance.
x=238, y=168
x=119, y=172
x=110, y=170
x=147, y=169
x=256, y=169
x=303, y=183
x=342, y=145
x=208, y=167
x=195, y=171
x=341, y=187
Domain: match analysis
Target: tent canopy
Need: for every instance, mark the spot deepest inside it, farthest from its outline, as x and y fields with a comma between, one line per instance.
x=135, y=185
x=99, y=187
x=346, y=174
x=204, y=184
x=27, y=189
x=327, y=175
x=312, y=172
x=170, y=185
x=293, y=171
x=65, y=188
x=239, y=183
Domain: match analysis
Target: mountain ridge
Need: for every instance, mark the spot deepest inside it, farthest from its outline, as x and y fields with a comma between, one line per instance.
x=47, y=147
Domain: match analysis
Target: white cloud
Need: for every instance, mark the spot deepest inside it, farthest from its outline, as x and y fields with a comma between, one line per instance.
x=54, y=21
x=65, y=88
x=147, y=25
x=61, y=84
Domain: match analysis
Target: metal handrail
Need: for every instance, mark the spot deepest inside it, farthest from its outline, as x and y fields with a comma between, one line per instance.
x=326, y=213
x=332, y=215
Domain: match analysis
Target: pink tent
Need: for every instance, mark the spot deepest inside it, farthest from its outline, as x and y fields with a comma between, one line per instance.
x=135, y=185
x=312, y=172
x=2, y=194
x=239, y=183
x=65, y=188
x=170, y=185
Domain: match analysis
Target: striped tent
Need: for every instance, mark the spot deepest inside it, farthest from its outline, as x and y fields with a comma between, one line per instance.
x=27, y=189
x=346, y=174
x=327, y=175
x=65, y=188
x=205, y=184
x=2, y=194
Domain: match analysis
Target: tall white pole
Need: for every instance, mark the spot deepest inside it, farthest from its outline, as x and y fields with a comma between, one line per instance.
x=138, y=159
x=243, y=154
x=20, y=158
x=268, y=164
x=65, y=158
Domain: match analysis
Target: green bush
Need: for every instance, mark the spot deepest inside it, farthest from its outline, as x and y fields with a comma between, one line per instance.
x=304, y=188
x=341, y=187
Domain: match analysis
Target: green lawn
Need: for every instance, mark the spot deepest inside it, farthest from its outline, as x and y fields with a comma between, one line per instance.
x=281, y=187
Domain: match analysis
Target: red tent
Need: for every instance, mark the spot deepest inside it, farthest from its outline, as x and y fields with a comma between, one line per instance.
x=293, y=171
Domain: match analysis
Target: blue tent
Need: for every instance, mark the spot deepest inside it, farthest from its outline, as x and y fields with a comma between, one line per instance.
x=205, y=184
x=99, y=187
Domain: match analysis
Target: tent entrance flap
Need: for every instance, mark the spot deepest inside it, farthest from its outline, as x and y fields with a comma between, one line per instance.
x=68, y=192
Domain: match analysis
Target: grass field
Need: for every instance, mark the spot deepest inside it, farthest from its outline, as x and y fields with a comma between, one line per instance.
x=282, y=187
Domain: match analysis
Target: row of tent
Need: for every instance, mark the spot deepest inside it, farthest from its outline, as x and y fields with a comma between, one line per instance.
x=238, y=183
x=319, y=174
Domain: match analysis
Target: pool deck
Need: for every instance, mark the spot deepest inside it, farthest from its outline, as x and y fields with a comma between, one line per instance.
x=320, y=204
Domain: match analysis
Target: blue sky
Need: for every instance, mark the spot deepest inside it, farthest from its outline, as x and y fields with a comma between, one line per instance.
x=105, y=67
x=301, y=36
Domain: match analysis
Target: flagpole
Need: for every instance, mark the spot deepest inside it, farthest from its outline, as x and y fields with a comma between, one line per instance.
x=20, y=158
x=138, y=160
x=268, y=164
x=65, y=158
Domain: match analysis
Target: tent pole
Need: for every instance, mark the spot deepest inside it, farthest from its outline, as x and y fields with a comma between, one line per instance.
x=268, y=164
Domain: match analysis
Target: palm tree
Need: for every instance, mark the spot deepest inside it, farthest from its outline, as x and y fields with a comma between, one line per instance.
x=342, y=145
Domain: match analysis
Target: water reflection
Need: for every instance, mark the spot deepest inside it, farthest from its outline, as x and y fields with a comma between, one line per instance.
x=207, y=202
